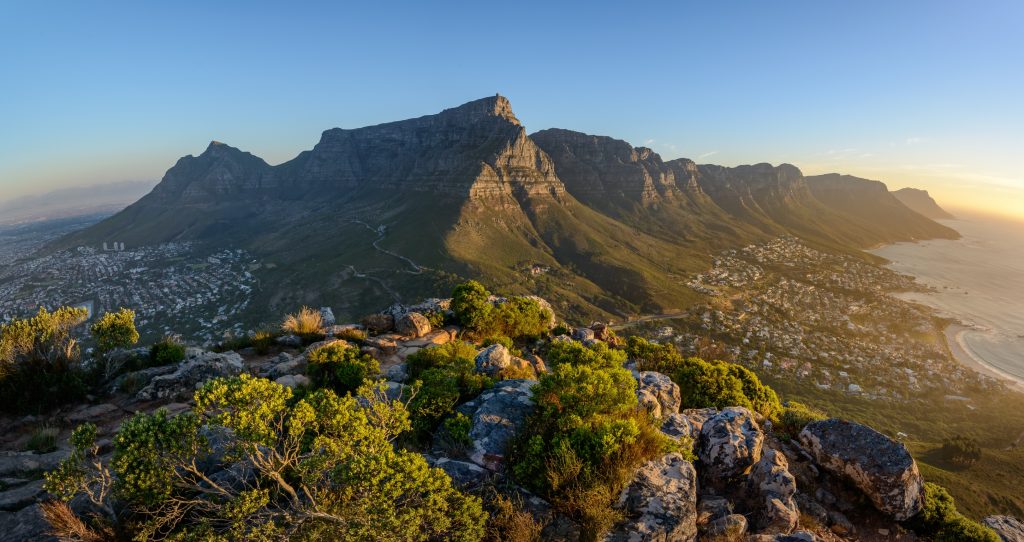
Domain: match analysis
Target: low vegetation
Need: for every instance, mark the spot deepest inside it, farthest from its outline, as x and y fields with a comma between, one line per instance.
x=940, y=520
x=167, y=351
x=443, y=377
x=307, y=324
x=587, y=436
x=961, y=451
x=340, y=367
x=115, y=330
x=518, y=318
x=322, y=467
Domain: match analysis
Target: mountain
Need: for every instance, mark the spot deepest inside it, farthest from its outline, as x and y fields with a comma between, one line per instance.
x=71, y=202
x=922, y=203
x=375, y=214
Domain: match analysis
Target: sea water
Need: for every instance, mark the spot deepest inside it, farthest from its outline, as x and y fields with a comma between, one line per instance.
x=978, y=280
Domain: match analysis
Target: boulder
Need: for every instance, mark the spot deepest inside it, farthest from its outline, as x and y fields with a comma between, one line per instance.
x=1009, y=528
x=19, y=497
x=412, y=324
x=379, y=323
x=697, y=416
x=384, y=344
x=431, y=338
x=293, y=341
x=497, y=415
x=136, y=380
x=660, y=503
x=285, y=364
x=583, y=334
x=539, y=366
x=25, y=525
x=293, y=381
x=729, y=528
x=772, y=489
x=88, y=413
x=327, y=316
x=464, y=475
x=679, y=426
x=876, y=464
x=326, y=342
x=711, y=508
x=14, y=463
x=396, y=373
x=658, y=394
x=729, y=444
x=491, y=360
x=191, y=373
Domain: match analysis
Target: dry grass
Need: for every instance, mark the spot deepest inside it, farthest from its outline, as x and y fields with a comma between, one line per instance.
x=68, y=527
x=510, y=522
x=304, y=323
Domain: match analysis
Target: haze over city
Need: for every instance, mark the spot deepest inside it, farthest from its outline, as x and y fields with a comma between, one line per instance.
x=917, y=94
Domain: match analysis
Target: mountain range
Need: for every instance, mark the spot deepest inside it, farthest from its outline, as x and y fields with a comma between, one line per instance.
x=600, y=227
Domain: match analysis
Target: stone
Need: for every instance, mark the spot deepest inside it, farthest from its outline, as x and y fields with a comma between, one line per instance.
x=293, y=381
x=379, y=323
x=86, y=413
x=136, y=380
x=679, y=426
x=293, y=341
x=14, y=463
x=539, y=366
x=660, y=503
x=1009, y=528
x=464, y=475
x=19, y=497
x=396, y=373
x=413, y=324
x=335, y=343
x=327, y=316
x=433, y=338
x=697, y=416
x=729, y=444
x=386, y=345
x=191, y=373
x=496, y=416
x=712, y=507
x=880, y=467
x=25, y=525
x=730, y=528
x=552, y=320
x=491, y=360
x=658, y=394
x=772, y=489
x=583, y=334
x=287, y=365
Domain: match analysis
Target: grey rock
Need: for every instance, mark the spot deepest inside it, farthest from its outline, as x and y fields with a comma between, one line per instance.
x=729, y=444
x=138, y=379
x=287, y=365
x=712, y=507
x=1009, y=528
x=679, y=426
x=658, y=394
x=327, y=316
x=583, y=334
x=379, y=323
x=191, y=373
x=396, y=373
x=773, y=488
x=879, y=466
x=293, y=341
x=660, y=503
x=697, y=417
x=25, y=525
x=491, y=360
x=729, y=528
x=464, y=475
x=15, y=463
x=497, y=415
x=293, y=381
x=412, y=324
x=16, y=498
x=86, y=413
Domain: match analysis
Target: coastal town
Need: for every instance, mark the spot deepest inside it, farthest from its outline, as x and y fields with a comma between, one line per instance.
x=171, y=287
x=791, y=312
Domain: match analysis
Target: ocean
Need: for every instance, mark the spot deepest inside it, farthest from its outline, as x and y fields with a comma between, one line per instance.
x=979, y=280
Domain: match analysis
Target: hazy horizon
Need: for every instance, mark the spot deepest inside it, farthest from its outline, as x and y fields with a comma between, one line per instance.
x=914, y=95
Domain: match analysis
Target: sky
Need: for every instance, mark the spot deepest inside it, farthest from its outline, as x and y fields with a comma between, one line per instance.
x=913, y=93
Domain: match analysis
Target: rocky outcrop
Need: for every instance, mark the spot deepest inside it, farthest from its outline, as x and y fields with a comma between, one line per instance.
x=921, y=203
x=679, y=426
x=1009, y=528
x=493, y=359
x=658, y=394
x=412, y=324
x=196, y=369
x=660, y=503
x=729, y=444
x=379, y=323
x=772, y=489
x=496, y=417
x=879, y=466
x=25, y=525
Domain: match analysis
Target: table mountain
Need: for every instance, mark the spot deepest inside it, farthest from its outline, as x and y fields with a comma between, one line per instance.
x=373, y=214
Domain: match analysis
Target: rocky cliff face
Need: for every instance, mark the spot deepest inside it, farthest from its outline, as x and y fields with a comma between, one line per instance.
x=921, y=203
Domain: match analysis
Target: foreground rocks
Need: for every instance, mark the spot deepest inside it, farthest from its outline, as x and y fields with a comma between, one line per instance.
x=660, y=503
x=772, y=488
x=658, y=394
x=1009, y=528
x=196, y=369
x=497, y=415
x=877, y=465
x=728, y=445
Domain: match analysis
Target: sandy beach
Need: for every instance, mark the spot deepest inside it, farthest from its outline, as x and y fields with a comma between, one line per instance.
x=954, y=338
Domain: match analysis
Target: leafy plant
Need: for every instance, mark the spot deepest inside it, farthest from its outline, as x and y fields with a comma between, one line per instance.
x=40, y=361
x=115, y=330
x=340, y=367
x=940, y=520
x=962, y=451
x=795, y=416
x=166, y=351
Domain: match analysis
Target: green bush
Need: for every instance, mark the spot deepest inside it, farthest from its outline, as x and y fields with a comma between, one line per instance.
x=167, y=351
x=444, y=377
x=517, y=317
x=795, y=416
x=340, y=367
x=115, y=330
x=471, y=305
x=597, y=355
x=323, y=467
x=707, y=383
x=940, y=520
x=586, y=437
x=40, y=361
x=454, y=353
x=962, y=451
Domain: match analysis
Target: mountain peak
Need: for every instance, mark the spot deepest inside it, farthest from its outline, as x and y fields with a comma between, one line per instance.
x=491, y=106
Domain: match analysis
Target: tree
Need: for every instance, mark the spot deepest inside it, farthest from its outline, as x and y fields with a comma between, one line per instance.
x=115, y=330
x=249, y=462
x=40, y=363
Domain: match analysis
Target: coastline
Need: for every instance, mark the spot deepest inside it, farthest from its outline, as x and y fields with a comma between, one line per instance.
x=962, y=354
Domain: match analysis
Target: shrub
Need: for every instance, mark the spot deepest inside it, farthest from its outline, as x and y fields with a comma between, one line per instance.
x=517, y=372
x=263, y=341
x=795, y=416
x=351, y=335
x=43, y=439
x=521, y=318
x=323, y=467
x=962, y=451
x=456, y=432
x=504, y=341
x=340, y=367
x=471, y=305
x=706, y=383
x=40, y=361
x=307, y=323
x=445, y=377
x=510, y=522
x=597, y=355
x=167, y=351
x=940, y=520
x=115, y=330
x=455, y=353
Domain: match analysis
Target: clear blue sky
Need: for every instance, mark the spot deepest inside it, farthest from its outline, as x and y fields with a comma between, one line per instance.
x=919, y=93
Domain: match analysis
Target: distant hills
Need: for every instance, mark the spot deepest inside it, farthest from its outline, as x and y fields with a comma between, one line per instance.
x=392, y=210
x=71, y=202
x=922, y=203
